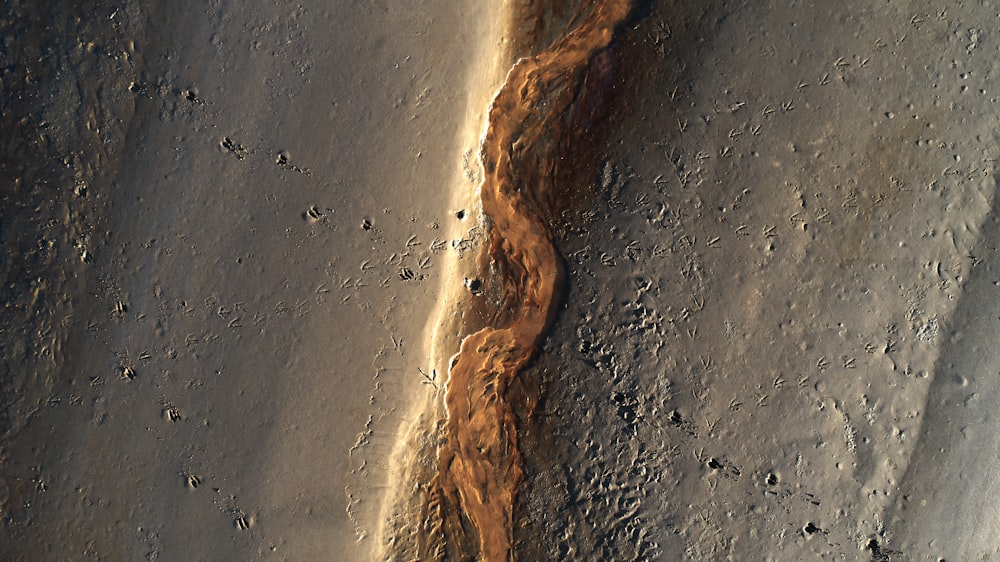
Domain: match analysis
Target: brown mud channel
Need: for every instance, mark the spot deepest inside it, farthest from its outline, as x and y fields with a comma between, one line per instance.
x=471, y=499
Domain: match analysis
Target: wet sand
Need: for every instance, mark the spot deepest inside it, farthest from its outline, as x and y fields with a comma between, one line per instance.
x=763, y=352
x=251, y=335
x=241, y=250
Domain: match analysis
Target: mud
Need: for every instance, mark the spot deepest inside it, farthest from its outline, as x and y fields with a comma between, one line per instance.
x=479, y=465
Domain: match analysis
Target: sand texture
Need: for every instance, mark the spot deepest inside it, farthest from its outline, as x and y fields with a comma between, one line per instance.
x=499, y=280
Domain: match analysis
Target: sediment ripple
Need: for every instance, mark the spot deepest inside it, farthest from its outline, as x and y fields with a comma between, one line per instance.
x=479, y=465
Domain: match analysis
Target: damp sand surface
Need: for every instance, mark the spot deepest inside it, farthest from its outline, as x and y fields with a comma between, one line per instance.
x=774, y=340
x=249, y=335
x=775, y=335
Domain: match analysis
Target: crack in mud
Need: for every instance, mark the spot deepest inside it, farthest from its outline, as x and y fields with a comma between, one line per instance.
x=479, y=466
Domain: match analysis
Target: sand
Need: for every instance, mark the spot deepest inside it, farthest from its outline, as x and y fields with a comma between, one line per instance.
x=252, y=330
x=235, y=274
x=759, y=355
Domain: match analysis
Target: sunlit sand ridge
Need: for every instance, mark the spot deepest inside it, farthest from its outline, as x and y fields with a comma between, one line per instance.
x=479, y=466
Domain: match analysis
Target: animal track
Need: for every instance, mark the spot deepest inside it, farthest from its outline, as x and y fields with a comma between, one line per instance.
x=234, y=148
x=192, y=481
x=283, y=160
x=171, y=413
